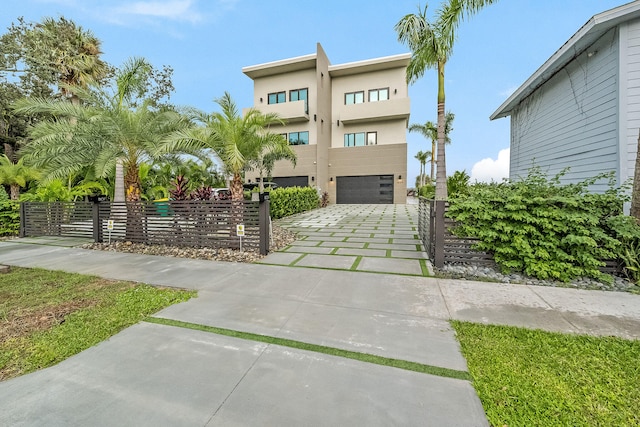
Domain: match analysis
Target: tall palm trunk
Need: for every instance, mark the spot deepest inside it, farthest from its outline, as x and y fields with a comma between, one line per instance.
x=118, y=192
x=237, y=205
x=441, y=173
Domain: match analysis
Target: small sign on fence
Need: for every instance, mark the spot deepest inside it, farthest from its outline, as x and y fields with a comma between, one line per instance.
x=110, y=228
x=240, y=233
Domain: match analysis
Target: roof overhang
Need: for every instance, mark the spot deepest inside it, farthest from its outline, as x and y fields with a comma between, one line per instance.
x=586, y=36
x=376, y=64
x=280, y=67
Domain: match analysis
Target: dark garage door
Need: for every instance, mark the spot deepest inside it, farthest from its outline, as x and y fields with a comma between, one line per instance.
x=292, y=181
x=377, y=189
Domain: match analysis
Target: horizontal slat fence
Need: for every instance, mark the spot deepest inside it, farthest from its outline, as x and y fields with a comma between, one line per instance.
x=174, y=223
x=451, y=248
x=66, y=219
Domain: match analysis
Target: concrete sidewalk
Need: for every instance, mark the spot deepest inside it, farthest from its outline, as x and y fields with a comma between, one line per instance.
x=154, y=374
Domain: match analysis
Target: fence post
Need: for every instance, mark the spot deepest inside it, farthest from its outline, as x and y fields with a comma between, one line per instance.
x=264, y=219
x=23, y=219
x=97, y=226
x=438, y=260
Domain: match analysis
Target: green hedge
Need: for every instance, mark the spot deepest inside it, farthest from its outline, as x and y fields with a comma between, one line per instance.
x=9, y=215
x=292, y=200
x=544, y=229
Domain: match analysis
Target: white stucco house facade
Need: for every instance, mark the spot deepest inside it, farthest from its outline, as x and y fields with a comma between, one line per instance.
x=581, y=108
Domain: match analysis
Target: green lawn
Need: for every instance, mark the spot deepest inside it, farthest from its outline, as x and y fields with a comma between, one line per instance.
x=48, y=316
x=535, y=378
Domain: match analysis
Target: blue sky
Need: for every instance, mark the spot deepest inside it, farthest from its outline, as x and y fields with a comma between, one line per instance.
x=208, y=42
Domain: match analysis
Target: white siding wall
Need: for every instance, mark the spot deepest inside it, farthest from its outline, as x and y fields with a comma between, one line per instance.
x=572, y=119
x=630, y=97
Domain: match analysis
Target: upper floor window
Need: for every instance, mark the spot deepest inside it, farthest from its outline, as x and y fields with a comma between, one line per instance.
x=299, y=138
x=372, y=138
x=354, y=97
x=360, y=139
x=277, y=97
x=300, y=95
x=354, y=139
x=378, y=94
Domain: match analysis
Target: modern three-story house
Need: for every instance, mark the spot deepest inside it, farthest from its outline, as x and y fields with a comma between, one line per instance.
x=346, y=122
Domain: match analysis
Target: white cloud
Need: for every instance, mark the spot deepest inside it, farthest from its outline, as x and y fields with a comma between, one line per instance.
x=487, y=170
x=176, y=10
x=508, y=91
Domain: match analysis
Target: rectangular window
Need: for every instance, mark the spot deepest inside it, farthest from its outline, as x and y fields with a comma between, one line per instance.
x=277, y=98
x=285, y=136
x=300, y=95
x=354, y=139
x=299, y=138
x=378, y=94
x=372, y=138
x=354, y=97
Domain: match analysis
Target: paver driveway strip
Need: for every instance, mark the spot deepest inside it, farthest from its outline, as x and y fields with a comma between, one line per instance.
x=371, y=238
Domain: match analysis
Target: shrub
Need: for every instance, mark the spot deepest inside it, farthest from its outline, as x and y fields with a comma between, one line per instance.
x=9, y=215
x=542, y=228
x=627, y=231
x=292, y=200
x=456, y=184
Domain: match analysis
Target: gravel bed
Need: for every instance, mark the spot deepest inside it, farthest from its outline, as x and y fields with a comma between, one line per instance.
x=280, y=238
x=491, y=274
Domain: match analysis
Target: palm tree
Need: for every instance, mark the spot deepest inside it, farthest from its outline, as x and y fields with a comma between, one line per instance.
x=15, y=175
x=422, y=157
x=431, y=45
x=100, y=131
x=430, y=131
x=240, y=142
x=77, y=62
x=272, y=152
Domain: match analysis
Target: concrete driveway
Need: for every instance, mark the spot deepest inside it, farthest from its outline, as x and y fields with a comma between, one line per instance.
x=371, y=238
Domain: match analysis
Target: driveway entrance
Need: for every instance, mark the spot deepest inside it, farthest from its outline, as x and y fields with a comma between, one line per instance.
x=372, y=238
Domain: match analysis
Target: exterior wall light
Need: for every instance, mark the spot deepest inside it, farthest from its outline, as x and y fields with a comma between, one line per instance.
x=331, y=179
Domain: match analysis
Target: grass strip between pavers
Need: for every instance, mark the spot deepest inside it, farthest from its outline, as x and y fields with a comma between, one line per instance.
x=356, y=263
x=331, y=351
x=425, y=269
x=297, y=260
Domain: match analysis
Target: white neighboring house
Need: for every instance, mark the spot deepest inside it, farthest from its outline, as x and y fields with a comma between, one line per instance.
x=581, y=108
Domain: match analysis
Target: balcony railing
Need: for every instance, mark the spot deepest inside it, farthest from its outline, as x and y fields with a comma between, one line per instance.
x=291, y=112
x=390, y=109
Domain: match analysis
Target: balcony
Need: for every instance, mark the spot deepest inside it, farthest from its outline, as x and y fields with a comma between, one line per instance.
x=291, y=112
x=391, y=109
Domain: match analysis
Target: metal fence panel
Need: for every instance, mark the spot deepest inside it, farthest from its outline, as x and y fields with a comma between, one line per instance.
x=66, y=219
x=174, y=223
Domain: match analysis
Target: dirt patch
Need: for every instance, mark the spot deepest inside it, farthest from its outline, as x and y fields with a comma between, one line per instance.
x=21, y=324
